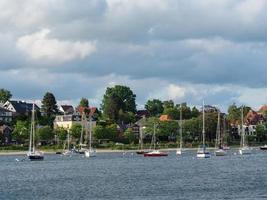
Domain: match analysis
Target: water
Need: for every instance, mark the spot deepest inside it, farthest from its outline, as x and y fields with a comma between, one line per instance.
x=114, y=176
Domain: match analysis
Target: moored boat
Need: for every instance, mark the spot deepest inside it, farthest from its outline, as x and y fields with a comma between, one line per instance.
x=32, y=153
x=155, y=153
x=264, y=147
x=244, y=149
x=219, y=151
x=202, y=151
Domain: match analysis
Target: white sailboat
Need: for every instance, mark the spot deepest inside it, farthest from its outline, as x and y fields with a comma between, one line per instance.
x=90, y=152
x=82, y=146
x=141, y=143
x=219, y=151
x=179, y=150
x=202, y=152
x=33, y=154
x=154, y=152
x=67, y=151
x=244, y=149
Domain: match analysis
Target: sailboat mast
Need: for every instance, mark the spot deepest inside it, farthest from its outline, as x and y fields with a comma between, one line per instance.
x=218, y=132
x=242, y=128
x=68, y=140
x=181, y=129
x=154, y=136
x=33, y=128
x=82, y=122
x=90, y=132
x=203, y=123
x=141, y=138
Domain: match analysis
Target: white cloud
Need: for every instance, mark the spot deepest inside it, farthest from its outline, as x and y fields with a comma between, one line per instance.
x=39, y=46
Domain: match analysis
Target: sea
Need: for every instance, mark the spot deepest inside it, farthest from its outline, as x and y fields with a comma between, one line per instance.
x=131, y=176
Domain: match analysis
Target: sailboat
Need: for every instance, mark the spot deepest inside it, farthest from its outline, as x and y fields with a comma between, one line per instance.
x=141, y=144
x=82, y=146
x=244, y=149
x=90, y=152
x=202, y=152
x=219, y=151
x=154, y=152
x=67, y=151
x=179, y=150
x=33, y=154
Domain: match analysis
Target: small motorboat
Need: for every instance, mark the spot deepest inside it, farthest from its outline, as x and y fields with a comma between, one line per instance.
x=155, y=153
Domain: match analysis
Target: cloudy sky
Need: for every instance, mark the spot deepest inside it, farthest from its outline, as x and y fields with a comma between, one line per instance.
x=184, y=50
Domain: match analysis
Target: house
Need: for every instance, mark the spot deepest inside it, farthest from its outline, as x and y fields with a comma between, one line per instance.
x=253, y=118
x=66, y=109
x=5, y=115
x=5, y=134
x=67, y=121
x=19, y=107
x=89, y=111
x=142, y=114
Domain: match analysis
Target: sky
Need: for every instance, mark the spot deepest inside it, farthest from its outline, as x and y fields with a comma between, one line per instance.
x=180, y=50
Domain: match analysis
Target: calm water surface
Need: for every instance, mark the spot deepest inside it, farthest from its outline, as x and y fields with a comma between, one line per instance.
x=114, y=176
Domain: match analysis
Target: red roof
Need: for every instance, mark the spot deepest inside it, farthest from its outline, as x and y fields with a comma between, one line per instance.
x=82, y=109
x=164, y=118
x=263, y=109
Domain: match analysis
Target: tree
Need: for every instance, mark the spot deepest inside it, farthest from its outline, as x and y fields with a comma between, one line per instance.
x=118, y=98
x=168, y=129
x=84, y=102
x=129, y=135
x=61, y=133
x=49, y=105
x=260, y=132
x=21, y=131
x=75, y=131
x=154, y=107
x=106, y=132
x=45, y=133
x=5, y=95
x=195, y=112
x=168, y=104
x=172, y=112
x=186, y=111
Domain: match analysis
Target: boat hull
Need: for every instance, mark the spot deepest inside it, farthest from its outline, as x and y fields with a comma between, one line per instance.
x=178, y=152
x=141, y=152
x=245, y=151
x=155, y=154
x=220, y=152
x=203, y=155
x=264, y=148
x=89, y=153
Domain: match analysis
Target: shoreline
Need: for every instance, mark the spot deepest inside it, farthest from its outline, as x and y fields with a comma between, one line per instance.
x=49, y=152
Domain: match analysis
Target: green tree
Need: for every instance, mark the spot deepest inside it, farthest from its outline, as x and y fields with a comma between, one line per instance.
x=75, y=131
x=49, y=105
x=84, y=102
x=129, y=135
x=261, y=132
x=5, y=95
x=45, y=133
x=118, y=98
x=106, y=132
x=186, y=111
x=21, y=131
x=195, y=112
x=154, y=107
x=172, y=112
x=168, y=129
x=168, y=104
x=61, y=133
